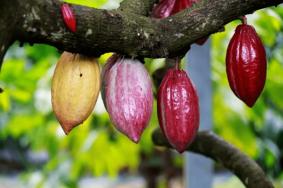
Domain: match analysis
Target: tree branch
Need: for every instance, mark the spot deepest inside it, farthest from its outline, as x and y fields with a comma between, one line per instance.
x=7, y=26
x=101, y=31
x=210, y=145
x=140, y=7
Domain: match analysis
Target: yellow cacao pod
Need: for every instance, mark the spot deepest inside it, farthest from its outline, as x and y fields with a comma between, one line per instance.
x=75, y=88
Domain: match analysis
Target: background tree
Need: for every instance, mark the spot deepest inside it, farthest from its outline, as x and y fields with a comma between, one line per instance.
x=128, y=30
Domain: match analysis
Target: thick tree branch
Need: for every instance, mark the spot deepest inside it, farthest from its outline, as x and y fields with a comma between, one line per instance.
x=210, y=145
x=101, y=31
x=141, y=7
x=7, y=25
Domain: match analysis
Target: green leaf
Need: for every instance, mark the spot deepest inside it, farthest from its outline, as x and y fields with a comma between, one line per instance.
x=5, y=103
x=88, y=3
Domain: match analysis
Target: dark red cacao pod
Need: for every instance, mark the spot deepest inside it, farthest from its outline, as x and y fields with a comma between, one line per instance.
x=178, y=109
x=127, y=95
x=68, y=17
x=246, y=64
x=182, y=4
x=163, y=9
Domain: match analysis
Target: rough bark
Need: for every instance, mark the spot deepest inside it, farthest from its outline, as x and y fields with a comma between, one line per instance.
x=121, y=30
x=210, y=145
x=7, y=28
x=137, y=6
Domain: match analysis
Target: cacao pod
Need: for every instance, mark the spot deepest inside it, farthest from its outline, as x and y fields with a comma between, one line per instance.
x=106, y=68
x=127, y=94
x=75, y=88
x=181, y=5
x=163, y=9
x=246, y=64
x=68, y=17
x=178, y=109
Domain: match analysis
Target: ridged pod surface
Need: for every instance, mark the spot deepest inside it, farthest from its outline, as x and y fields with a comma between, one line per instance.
x=178, y=109
x=246, y=64
x=69, y=17
x=127, y=94
x=75, y=88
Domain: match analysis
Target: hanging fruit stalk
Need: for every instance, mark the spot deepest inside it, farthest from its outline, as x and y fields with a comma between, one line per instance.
x=178, y=108
x=127, y=94
x=69, y=17
x=75, y=88
x=246, y=64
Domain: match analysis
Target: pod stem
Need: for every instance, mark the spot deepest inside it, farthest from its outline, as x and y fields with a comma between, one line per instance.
x=177, y=63
x=244, y=20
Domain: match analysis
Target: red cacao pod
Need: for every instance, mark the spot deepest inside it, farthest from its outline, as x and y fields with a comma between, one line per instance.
x=69, y=17
x=163, y=9
x=181, y=5
x=128, y=97
x=178, y=109
x=246, y=64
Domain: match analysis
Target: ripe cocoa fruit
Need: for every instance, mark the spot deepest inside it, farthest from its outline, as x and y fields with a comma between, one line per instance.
x=246, y=64
x=75, y=88
x=163, y=9
x=178, y=109
x=181, y=5
x=68, y=17
x=127, y=94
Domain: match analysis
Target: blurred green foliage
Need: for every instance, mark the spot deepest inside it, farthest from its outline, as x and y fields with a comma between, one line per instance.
x=107, y=4
x=96, y=148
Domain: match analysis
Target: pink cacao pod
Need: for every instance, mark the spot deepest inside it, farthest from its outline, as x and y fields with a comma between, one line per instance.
x=246, y=64
x=69, y=17
x=178, y=109
x=163, y=9
x=127, y=94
